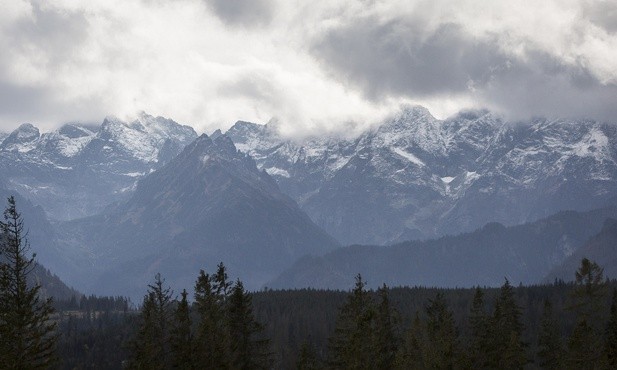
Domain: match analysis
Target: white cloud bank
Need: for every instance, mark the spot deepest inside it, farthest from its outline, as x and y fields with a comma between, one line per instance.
x=308, y=65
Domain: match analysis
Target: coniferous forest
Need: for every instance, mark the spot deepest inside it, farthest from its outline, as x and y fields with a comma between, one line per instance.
x=218, y=324
x=561, y=325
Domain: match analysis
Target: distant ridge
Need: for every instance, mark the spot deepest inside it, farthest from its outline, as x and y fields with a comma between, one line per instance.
x=524, y=254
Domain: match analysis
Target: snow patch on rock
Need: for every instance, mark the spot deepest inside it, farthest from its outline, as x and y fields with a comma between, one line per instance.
x=275, y=171
x=410, y=157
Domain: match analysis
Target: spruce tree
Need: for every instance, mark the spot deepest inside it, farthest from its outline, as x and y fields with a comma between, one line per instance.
x=582, y=347
x=506, y=349
x=351, y=346
x=221, y=284
x=585, y=342
x=590, y=289
x=385, y=337
x=145, y=349
x=151, y=349
x=550, y=347
x=307, y=359
x=610, y=347
x=27, y=336
x=410, y=353
x=181, y=336
x=479, y=326
x=442, y=346
x=212, y=340
x=249, y=350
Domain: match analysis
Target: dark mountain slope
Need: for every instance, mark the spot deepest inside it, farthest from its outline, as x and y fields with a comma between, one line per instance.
x=601, y=248
x=209, y=204
x=40, y=234
x=523, y=253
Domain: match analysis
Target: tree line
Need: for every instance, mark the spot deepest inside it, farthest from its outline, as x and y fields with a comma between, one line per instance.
x=368, y=333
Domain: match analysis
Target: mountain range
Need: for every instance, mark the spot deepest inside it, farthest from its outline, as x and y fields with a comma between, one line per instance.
x=116, y=203
x=416, y=177
x=78, y=170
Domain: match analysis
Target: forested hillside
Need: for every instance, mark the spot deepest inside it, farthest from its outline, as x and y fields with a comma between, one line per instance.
x=544, y=326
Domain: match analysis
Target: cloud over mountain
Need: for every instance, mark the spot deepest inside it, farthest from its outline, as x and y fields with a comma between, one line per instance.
x=310, y=66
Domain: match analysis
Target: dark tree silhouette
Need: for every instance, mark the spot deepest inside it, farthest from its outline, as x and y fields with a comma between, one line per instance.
x=27, y=336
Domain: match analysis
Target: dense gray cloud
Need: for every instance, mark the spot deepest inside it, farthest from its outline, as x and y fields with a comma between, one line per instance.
x=395, y=57
x=545, y=88
x=17, y=99
x=403, y=56
x=602, y=14
x=43, y=42
x=245, y=13
x=310, y=66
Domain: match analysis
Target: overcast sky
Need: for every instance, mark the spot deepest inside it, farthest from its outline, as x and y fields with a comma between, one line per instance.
x=309, y=65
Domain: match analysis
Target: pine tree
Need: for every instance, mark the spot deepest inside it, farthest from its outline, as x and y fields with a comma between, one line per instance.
x=550, y=347
x=585, y=342
x=27, y=336
x=351, y=346
x=610, y=347
x=248, y=349
x=151, y=348
x=181, y=336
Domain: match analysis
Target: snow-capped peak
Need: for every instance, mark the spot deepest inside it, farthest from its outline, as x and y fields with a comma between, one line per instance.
x=23, y=139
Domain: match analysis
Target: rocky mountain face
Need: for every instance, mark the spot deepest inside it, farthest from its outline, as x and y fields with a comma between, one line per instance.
x=523, y=254
x=209, y=204
x=78, y=170
x=417, y=177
